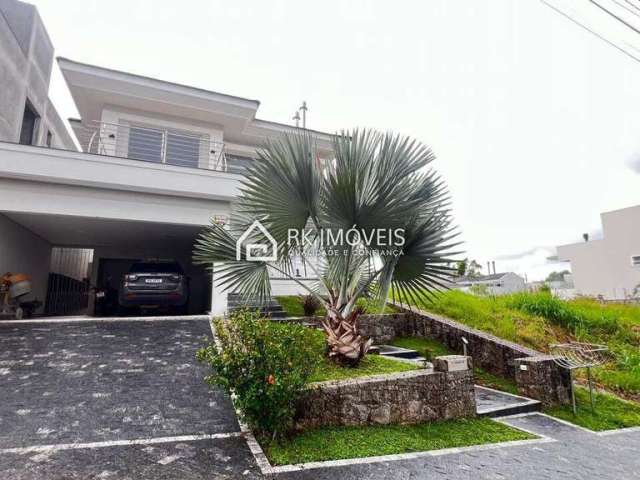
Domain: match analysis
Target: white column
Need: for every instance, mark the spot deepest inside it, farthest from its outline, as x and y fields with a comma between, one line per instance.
x=218, y=296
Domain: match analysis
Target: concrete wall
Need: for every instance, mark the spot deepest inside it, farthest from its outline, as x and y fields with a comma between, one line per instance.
x=282, y=286
x=21, y=251
x=26, y=59
x=603, y=267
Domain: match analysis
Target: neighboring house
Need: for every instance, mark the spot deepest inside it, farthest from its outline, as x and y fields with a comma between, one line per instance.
x=494, y=284
x=610, y=266
x=564, y=288
x=27, y=115
x=160, y=161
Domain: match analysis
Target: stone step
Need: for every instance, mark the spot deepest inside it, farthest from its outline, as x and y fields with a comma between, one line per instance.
x=493, y=403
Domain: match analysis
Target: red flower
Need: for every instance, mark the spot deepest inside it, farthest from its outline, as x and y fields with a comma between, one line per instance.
x=271, y=380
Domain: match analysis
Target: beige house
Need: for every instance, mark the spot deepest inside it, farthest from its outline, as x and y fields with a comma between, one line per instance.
x=608, y=267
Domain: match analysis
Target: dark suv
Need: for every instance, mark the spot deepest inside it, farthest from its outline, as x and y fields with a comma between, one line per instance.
x=155, y=285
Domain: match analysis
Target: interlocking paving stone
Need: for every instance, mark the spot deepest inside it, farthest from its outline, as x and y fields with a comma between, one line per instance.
x=89, y=382
x=197, y=460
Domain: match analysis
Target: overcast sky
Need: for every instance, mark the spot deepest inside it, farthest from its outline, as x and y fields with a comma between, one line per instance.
x=534, y=121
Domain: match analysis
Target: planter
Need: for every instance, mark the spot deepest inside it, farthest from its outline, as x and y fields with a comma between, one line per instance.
x=401, y=398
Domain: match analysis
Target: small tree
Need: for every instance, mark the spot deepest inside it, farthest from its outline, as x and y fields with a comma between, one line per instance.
x=375, y=183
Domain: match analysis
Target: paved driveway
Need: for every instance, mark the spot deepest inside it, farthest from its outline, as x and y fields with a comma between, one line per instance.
x=113, y=399
x=126, y=400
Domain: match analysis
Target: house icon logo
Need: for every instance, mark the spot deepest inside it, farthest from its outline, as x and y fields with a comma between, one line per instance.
x=265, y=251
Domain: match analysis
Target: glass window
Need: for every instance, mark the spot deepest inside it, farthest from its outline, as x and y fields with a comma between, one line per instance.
x=145, y=144
x=29, y=125
x=183, y=150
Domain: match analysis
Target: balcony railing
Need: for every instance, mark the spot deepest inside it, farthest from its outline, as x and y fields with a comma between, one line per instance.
x=164, y=146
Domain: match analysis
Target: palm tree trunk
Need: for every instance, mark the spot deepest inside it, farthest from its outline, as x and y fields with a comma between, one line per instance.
x=346, y=346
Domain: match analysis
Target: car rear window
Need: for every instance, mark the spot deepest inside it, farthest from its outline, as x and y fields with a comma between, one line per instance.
x=155, y=267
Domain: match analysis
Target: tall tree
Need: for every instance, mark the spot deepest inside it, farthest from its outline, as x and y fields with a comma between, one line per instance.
x=376, y=182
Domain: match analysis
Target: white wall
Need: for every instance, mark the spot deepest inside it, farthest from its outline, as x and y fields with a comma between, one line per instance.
x=603, y=267
x=21, y=251
x=289, y=287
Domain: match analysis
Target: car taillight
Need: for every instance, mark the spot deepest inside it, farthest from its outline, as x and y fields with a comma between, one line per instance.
x=131, y=278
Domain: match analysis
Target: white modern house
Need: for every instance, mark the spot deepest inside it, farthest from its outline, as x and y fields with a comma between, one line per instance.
x=159, y=161
x=610, y=266
x=493, y=284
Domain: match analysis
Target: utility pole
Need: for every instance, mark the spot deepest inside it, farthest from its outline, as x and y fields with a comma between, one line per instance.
x=304, y=114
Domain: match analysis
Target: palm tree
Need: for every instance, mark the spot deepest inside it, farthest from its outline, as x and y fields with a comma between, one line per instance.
x=376, y=182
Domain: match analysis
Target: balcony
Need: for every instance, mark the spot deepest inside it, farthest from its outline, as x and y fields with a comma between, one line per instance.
x=164, y=146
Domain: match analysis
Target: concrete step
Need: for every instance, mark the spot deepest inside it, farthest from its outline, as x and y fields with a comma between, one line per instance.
x=493, y=403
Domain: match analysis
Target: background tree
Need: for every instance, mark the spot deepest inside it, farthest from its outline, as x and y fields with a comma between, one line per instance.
x=474, y=269
x=376, y=181
x=556, y=276
x=461, y=267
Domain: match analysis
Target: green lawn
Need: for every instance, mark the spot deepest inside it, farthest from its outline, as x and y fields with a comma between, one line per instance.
x=610, y=412
x=293, y=306
x=333, y=443
x=432, y=348
x=370, y=365
x=537, y=320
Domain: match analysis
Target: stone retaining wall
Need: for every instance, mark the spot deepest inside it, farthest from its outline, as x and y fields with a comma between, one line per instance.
x=547, y=381
x=409, y=397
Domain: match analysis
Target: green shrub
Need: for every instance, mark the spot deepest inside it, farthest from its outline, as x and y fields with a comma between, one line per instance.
x=310, y=305
x=266, y=365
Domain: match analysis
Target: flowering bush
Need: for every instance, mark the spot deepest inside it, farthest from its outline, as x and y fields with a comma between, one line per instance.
x=266, y=365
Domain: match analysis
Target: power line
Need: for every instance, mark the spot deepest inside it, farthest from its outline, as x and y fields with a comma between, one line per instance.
x=608, y=12
x=617, y=47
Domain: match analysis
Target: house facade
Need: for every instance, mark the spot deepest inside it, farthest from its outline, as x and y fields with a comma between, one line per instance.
x=493, y=284
x=158, y=162
x=610, y=266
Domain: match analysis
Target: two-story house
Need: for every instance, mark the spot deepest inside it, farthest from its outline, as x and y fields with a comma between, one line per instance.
x=159, y=161
x=609, y=266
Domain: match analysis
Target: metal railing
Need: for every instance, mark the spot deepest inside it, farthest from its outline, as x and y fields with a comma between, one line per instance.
x=160, y=145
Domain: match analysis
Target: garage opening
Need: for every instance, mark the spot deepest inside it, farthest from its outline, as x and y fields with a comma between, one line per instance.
x=79, y=265
x=149, y=286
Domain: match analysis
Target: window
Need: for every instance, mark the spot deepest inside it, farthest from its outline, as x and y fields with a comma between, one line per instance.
x=29, y=125
x=145, y=144
x=183, y=150
x=164, y=146
x=635, y=260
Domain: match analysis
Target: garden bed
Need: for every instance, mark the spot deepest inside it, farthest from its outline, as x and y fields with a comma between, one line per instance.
x=370, y=365
x=335, y=443
x=292, y=304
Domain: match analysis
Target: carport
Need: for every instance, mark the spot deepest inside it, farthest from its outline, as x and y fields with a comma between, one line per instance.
x=89, y=253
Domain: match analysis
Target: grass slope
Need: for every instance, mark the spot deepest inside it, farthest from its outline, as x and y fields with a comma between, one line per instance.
x=334, y=443
x=538, y=319
x=610, y=412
